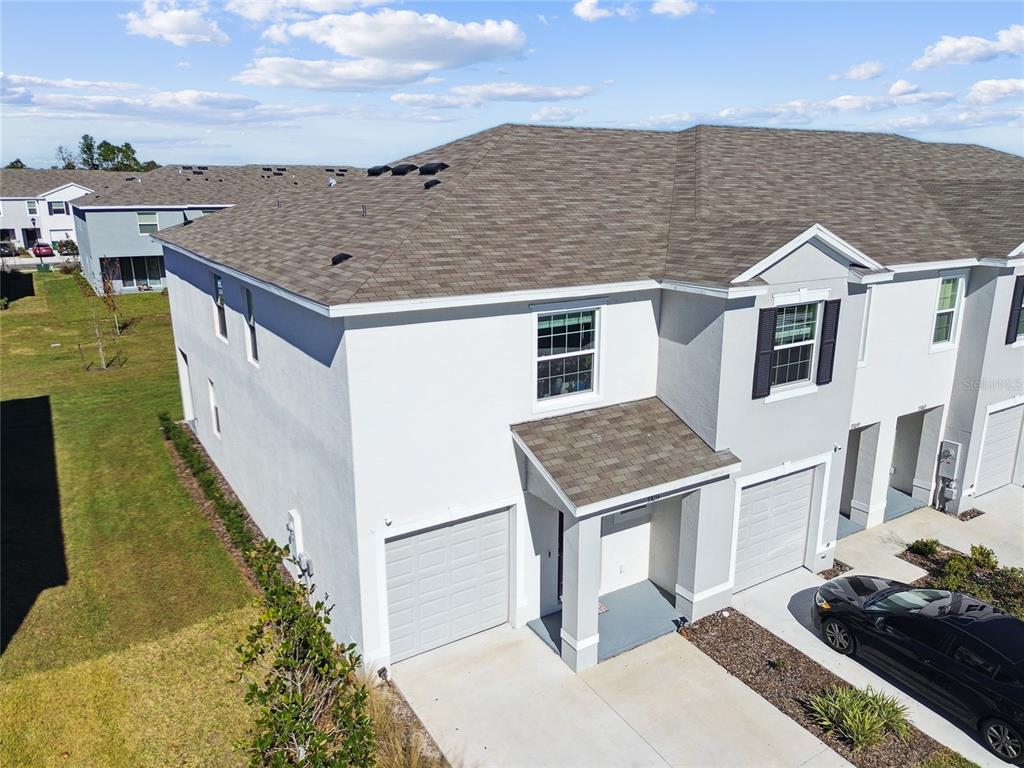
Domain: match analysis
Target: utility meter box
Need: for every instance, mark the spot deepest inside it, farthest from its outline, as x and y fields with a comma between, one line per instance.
x=949, y=459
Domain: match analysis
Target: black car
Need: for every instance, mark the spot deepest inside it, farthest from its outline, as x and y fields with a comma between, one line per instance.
x=7, y=249
x=958, y=652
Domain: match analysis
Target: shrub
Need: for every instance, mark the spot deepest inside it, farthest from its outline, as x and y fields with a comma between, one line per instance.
x=4, y=302
x=957, y=574
x=983, y=557
x=1006, y=590
x=860, y=718
x=925, y=547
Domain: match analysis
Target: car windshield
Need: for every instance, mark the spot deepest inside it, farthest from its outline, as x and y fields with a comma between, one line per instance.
x=906, y=600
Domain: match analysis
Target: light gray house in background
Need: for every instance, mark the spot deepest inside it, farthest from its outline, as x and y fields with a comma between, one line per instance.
x=35, y=205
x=594, y=380
x=114, y=225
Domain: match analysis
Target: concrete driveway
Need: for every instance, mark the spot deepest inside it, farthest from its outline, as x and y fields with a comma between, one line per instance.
x=783, y=606
x=503, y=698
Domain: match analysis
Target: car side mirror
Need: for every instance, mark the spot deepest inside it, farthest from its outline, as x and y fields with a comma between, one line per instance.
x=880, y=622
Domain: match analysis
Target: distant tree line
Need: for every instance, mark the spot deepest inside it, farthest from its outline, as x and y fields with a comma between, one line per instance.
x=92, y=156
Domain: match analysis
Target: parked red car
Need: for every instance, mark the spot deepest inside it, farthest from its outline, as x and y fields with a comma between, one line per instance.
x=39, y=250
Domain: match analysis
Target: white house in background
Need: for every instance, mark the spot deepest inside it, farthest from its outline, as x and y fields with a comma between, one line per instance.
x=114, y=225
x=596, y=380
x=35, y=205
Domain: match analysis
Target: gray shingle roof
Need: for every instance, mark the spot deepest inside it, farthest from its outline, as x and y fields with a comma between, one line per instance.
x=178, y=185
x=528, y=207
x=32, y=182
x=607, y=452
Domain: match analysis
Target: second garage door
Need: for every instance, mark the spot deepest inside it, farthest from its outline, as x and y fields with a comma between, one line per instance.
x=772, y=532
x=1001, y=450
x=447, y=583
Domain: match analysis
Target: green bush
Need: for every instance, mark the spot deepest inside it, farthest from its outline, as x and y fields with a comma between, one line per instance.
x=4, y=302
x=957, y=575
x=983, y=557
x=1005, y=587
x=925, y=547
x=860, y=718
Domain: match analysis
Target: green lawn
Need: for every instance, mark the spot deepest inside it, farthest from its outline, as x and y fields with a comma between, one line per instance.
x=142, y=564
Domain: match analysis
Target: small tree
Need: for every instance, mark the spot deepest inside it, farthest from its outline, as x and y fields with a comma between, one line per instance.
x=87, y=152
x=15, y=163
x=65, y=158
x=109, y=298
x=311, y=707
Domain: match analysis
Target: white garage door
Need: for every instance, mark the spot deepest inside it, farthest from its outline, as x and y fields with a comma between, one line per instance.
x=447, y=583
x=1000, y=450
x=773, y=527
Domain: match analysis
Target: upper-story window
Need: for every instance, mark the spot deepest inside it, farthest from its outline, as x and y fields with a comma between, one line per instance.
x=33, y=209
x=566, y=351
x=58, y=207
x=147, y=223
x=796, y=328
x=218, y=304
x=944, y=328
x=250, y=321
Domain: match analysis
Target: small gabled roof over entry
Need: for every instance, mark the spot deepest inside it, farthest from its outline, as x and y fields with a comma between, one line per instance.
x=619, y=454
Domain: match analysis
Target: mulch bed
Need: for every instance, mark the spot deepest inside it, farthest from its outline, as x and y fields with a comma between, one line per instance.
x=838, y=569
x=934, y=565
x=788, y=679
x=970, y=514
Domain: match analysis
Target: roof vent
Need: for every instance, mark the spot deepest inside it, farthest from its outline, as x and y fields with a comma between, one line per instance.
x=404, y=168
x=203, y=167
x=431, y=184
x=337, y=258
x=278, y=173
x=187, y=167
x=266, y=169
x=329, y=170
x=197, y=173
x=378, y=170
x=282, y=169
x=429, y=169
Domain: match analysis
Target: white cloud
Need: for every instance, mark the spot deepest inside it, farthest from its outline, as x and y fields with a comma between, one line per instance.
x=867, y=70
x=473, y=95
x=988, y=91
x=903, y=87
x=179, y=26
x=965, y=119
x=383, y=49
x=183, y=64
x=674, y=7
x=263, y=10
x=550, y=114
x=591, y=10
x=970, y=49
x=32, y=80
x=546, y=20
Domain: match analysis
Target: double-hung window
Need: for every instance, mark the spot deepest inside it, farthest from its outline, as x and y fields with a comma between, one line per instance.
x=566, y=351
x=58, y=207
x=33, y=210
x=944, y=328
x=250, y=321
x=147, y=223
x=796, y=329
x=218, y=304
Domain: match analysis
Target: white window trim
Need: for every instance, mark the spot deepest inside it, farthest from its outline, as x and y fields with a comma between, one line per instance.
x=865, y=328
x=51, y=203
x=804, y=386
x=214, y=410
x=35, y=205
x=139, y=223
x=576, y=399
x=954, y=337
x=250, y=325
x=214, y=277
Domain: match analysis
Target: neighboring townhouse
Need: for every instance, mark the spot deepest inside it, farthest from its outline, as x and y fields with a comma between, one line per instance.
x=114, y=225
x=539, y=374
x=35, y=205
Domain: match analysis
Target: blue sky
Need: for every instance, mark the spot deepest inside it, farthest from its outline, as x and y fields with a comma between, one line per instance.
x=350, y=81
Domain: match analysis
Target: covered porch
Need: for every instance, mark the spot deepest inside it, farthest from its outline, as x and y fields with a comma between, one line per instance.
x=621, y=500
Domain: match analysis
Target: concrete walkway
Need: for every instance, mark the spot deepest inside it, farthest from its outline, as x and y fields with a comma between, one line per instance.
x=503, y=698
x=783, y=606
x=875, y=550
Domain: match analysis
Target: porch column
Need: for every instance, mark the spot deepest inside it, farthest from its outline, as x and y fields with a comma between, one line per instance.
x=704, y=584
x=871, y=480
x=581, y=582
x=927, y=455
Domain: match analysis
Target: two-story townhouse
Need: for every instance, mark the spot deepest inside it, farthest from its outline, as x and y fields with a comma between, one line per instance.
x=114, y=225
x=35, y=205
x=537, y=374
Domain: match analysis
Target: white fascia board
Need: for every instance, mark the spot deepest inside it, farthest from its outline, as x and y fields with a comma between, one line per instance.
x=872, y=277
x=484, y=299
x=569, y=506
x=65, y=186
x=818, y=232
x=657, y=492
x=717, y=292
x=926, y=266
x=1018, y=251
x=320, y=309
x=144, y=207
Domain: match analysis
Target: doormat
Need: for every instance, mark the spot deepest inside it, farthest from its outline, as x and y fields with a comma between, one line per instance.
x=601, y=608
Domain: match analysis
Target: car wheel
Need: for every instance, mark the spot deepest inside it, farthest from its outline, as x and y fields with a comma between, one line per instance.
x=1004, y=740
x=837, y=636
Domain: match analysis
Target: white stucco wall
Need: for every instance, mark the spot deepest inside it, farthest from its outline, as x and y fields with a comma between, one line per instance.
x=625, y=549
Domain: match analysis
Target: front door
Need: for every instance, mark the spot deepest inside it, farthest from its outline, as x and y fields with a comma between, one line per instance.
x=31, y=236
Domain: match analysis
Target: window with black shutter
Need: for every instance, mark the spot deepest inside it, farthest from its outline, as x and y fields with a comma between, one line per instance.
x=1015, y=327
x=829, y=329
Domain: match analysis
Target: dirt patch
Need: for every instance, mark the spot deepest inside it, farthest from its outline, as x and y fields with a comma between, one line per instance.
x=788, y=679
x=969, y=514
x=838, y=569
x=934, y=564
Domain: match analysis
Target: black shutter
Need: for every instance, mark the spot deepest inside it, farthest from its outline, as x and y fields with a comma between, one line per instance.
x=1018, y=294
x=763, y=354
x=827, y=355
